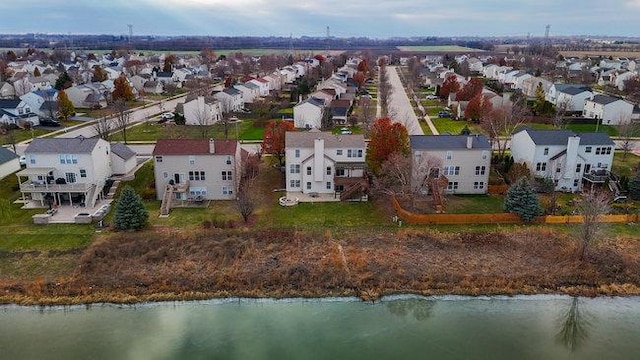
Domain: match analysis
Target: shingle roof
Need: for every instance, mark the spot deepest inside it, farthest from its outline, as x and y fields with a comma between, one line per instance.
x=447, y=142
x=302, y=139
x=573, y=90
x=560, y=137
x=232, y=91
x=313, y=101
x=194, y=147
x=79, y=145
x=122, y=150
x=6, y=155
x=604, y=99
x=9, y=103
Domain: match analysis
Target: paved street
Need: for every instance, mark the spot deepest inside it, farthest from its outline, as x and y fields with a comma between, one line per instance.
x=400, y=108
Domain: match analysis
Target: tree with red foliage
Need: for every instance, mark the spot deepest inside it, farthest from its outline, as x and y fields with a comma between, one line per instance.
x=363, y=66
x=470, y=89
x=274, y=135
x=359, y=78
x=122, y=89
x=477, y=108
x=450, y=85
x=386, y=138
x=320, y=58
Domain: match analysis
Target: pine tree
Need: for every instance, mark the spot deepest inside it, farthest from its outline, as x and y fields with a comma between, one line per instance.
x=65, y=106
x=130, y=211
x=634, y=187
x=521, y=199
x=64, y=81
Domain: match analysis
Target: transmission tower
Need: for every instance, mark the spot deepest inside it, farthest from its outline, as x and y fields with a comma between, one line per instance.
x=130, y=26
x=546, y=34
x=328, y=37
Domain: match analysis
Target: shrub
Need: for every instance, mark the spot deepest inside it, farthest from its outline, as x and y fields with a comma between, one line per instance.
x=130, y=211
x=521, y=199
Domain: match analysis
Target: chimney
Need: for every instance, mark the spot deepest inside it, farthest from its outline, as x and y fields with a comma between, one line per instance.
x=469, y=142
x=212, y=146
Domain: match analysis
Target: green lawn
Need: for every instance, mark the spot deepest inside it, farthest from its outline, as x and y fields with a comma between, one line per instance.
x=22, y=135
x=625, y=167
x=318, y=216
x=151, y=131
x=425, y=128
x=446, y=125
x=474, y=204
x=286, y=111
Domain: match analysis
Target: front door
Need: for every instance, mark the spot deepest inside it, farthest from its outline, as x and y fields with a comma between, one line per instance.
x=179, y=178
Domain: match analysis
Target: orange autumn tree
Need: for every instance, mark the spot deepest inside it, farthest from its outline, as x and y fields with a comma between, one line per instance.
x=274, y=135
x=478, y=107
x=387, y=138
x=450, y=85
x=122, y=90
x=470, y=89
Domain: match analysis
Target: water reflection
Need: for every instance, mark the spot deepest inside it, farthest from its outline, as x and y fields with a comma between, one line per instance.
x=575, y=325
x=420, y=309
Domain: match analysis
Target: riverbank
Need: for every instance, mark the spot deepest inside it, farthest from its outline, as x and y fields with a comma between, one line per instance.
x=204, y=264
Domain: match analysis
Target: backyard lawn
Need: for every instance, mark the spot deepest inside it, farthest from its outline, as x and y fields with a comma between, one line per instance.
x=626, y=167
x=453, y=127
x=474, y=204
x=151, y=131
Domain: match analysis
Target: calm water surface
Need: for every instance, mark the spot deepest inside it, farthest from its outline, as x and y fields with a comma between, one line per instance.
x=527, y=327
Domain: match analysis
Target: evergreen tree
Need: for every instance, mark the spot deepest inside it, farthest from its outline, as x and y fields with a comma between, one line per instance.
x=634, y=187
x=65, y=106
x=130, y=211
x=36, y=72
x=64, y=81
x=521, y=199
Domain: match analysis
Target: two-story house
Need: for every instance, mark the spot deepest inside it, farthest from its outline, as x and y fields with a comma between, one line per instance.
x=465, y=161
x=308, y=113
x=564, y=156
x=18, y=112
x=230, y=99
x=65, y=171
x=324, y=163
x=611, y=110
x=195, y=169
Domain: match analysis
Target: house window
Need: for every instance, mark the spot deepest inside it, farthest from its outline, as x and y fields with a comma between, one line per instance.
x=70, y=177
x=227, y=190
x=165, y=174
x=308, y=170
x=609, y=150
x=359, y=153
x=32, y=159
x=578, y=168
x=597, y=151
x=328, y=185
x=83, y=173
x=328, y=170
x=587, y=149
x=575, y=182
x=297, y=151
x=449, y=155
x=339, y=172
x=226, y=175
x=192, y=160
x=339, y=152
x=294, y=168
x=587, y=168
x=228, y=160
x=558, y=170
x=68, y=159
x=478, y=185
x=349, y=153
x=308, y=185
x=159, y=159
x=451, y=170
x=541, y=166
x=452, y=185
x=546, y=151
x=196, y=175
x=485, y=154
x=294, y=183
x=198, y=191
x=480, y=170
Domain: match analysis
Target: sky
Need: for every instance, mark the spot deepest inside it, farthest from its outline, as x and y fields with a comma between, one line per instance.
x=346, y=18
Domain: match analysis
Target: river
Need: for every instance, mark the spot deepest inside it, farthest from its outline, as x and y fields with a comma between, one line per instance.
x=449, y=327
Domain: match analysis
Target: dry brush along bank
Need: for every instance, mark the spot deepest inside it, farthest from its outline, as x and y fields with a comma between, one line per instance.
x=136, y=267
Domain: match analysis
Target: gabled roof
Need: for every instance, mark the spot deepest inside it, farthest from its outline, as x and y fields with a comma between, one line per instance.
x=194, y=147
x=448, y=142
x=232, y=91
x=122, y=150
x=313, y=101
x=302, y=139
x=78, y=145
x=573, y=90
x=251, y=85
x=9, y=103
x=603, y=99
x=560, y=137
x=164, y=74
x=6, y=155
x=340, y=104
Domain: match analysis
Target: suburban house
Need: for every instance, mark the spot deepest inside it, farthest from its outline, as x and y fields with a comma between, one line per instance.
x=43, y=103
x=198, y=110
x=18, y=112
x=611, y=110
x=195, y=170
x=340, y=111
x=554, y=89
x=250, y=91
x=464, y=160
x=9, y=162
x=88, y=96
x=262, y=84
x=123, y=159
x=7, y=91
x=308, y=113
x=564, y=156
x=71, y=171
x=324, y=163
x=230, y=99
x=153, y=87
x=572, y=98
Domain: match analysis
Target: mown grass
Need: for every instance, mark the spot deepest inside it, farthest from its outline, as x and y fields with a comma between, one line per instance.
x=425, y=128
x=609, y=129
x=152, y=131
x=474, y=204
x=445, y=125
x=627, y=166
x=22, y=135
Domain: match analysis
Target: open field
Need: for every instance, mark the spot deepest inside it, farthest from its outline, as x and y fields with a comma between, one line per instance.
x=603, y=53
x=437, y=49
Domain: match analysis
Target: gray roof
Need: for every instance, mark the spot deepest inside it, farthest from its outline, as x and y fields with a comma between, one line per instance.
x=9, y=103
x=560, y=137
x=313, y=101
x=447, y=142
x=604, y=99
x=232, y=91
x=573, y=90
x=6, y=155
x=122, y=150
x=306, y=139
x=79, y=145
x=251, y=85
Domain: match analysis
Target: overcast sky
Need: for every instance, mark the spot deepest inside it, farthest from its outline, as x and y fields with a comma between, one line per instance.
x=372, y=18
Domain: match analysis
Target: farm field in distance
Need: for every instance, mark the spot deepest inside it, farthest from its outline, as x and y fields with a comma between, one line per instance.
x=437, y=48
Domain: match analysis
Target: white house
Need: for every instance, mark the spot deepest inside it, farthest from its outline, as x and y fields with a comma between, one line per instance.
x=198, y=110
x=43, y=103
x=88, y=96
x=464, y=161
x=250, y=92
x=565, y=157
x=572, y=98
x=18, y=112
x=69, y=171
x=123, y=159
x=230, y=99
x=324, y=163
x=7, y=91
x=9, y=162
x=308, y=113
x=262, y=84
x=611, y=110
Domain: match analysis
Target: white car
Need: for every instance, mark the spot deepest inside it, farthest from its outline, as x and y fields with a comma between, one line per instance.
x=167, y=116
x=23, y=160
x=432, y=97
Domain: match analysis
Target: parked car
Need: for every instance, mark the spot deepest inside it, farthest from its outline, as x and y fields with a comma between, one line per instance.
x=49, y=122
x=167, y=116
x=444, y=114
x=345, y=131
x=23, y=160
x=432, y=97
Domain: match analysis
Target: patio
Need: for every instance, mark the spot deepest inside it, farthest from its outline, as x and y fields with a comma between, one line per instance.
x=66, y=214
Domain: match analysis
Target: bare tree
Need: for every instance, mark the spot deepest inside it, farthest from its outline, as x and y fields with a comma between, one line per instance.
x=593, y=204
x=501, y=122
x=367, y=114
x=202, y=120
x=247, y=195
x=627, y=130
x=384, y=90
x=122, y=117
x=561, y=109
x=102, y=127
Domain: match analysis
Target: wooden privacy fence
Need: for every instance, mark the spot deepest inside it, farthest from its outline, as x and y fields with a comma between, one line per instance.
x=499, y=218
